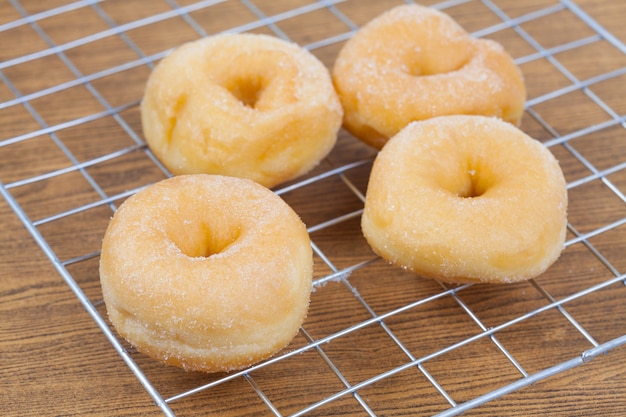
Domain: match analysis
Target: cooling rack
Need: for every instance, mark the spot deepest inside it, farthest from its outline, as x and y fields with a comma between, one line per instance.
x=377, y=340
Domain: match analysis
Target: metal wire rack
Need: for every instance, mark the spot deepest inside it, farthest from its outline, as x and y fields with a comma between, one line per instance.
x=378, y=340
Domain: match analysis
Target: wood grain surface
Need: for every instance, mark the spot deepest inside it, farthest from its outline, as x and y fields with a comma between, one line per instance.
x=71, y=150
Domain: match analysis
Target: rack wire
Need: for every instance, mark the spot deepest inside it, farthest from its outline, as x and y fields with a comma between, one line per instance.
x=378, y=339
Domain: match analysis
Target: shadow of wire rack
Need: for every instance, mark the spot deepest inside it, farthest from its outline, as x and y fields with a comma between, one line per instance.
x=377, y=340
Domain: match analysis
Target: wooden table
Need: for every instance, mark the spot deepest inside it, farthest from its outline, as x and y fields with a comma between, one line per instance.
x=71, y=150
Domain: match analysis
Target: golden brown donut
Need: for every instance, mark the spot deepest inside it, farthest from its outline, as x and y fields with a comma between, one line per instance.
x=244, y=105
x=466, y=199
x=206, y=272
x=413, y=63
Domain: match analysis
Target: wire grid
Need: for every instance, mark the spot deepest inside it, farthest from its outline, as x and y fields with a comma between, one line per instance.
x=377, y=338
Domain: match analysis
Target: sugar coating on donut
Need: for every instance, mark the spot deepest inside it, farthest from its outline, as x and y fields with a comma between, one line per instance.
x=413, y=63
x=244, y=105
x=206, y=272
x=466, y=199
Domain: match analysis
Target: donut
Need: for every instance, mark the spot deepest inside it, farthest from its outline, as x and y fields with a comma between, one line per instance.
x=413, y=63
x=206, y=272
x=242, y=105
x=466, y=199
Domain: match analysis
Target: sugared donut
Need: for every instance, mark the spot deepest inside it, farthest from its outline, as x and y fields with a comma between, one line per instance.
x=205, y=272
x=466, y=199
x=243, y=105
x=413, y=63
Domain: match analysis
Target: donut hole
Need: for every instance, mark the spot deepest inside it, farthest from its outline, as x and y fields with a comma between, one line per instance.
x=203, y=241
x=420, y=68
x=449, y=58
x=177, y=109
x=467, y=183
x=218, y=244
x=247, y=90
x=475, y=185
